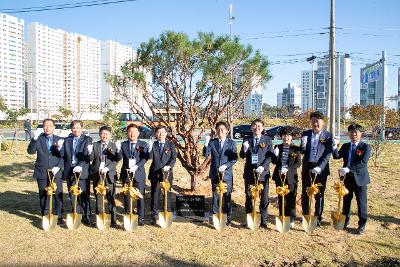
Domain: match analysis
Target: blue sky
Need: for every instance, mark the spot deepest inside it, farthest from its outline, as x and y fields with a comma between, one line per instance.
x=281, y=30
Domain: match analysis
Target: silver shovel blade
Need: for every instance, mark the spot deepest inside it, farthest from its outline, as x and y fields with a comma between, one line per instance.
x=219, y=222
x=103, y=221
x=165, y=219
x=338, y=220
x=49, y=222
x=253, y=222
x=130, y=222
x=309, y=223
x=73, y=222
x=282, y=224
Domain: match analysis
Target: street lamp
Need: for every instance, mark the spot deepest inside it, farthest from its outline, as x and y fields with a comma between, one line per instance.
x=311, y=60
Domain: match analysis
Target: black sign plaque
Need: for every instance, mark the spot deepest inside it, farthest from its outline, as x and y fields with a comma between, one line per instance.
x=190, y=205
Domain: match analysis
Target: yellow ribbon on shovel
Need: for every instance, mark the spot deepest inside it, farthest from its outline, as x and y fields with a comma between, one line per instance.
x=75, y=190
x=51, y=189
x=132, y=191
x=102, y=189
x=165, y=185
x=340, y=188
x=222, y=188
x=313, y=189
x=282, y=190
x=256, y=190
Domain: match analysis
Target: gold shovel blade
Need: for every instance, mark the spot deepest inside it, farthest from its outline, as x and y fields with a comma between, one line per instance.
x=309, y=223
x=337, y=220
x=253, y=222
x=73, y=222
x=130, y=222
x=219, y=222
x=165, y=219
x=49, y=222
x=103, y=221
x=282, y=224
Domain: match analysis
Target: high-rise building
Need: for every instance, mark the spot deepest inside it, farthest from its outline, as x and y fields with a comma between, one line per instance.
x=253, y=102
x=373, y=83
x=343, y=83
x=290, y=97
x=45, y=70
x=307, y=89
x=12, y=79
x=82, y=73
x=63, y=71
x=279, y=100
x=398, y=91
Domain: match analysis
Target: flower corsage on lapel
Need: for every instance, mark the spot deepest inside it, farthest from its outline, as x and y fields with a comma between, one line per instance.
x=293, y=155
x=139, y=149
x=166, y=150
x=359, y=152
x=262, y=145
x=322, y=140
x=109, y=150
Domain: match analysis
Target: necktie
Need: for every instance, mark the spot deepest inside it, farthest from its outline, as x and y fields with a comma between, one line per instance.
x=75, y=144
x=221, y=145
x=132, y=150
x=161, y=148
x=49, y=141
x=256, y=141
x=103, y=154
x=351, y=156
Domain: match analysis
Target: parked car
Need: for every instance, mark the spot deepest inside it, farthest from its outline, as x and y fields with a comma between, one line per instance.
x=273, y=132
x=241, y=131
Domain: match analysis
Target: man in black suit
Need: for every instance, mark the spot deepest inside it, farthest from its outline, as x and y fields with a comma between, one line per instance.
x=257, y=151
x=134, y=155
x=163, y=156
x=76, y=154
x=316, y=145
x=48, y=158
x=287, y=159
x=104, y=157
x=223, y=155
x=355, y=156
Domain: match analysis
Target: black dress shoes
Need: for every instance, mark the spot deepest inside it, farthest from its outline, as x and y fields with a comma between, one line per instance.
x=60, y=221
x=153, y=221
x=264, y=225
x=361, y=229
x=141, y=222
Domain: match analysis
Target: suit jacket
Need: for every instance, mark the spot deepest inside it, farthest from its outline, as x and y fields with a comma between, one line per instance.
x=112, y=158
x=227, y=156
x=359, y=166
x=323, y=154
x=82, y=155
x=45, y=159
x=167, y=157
x=294, y=158
x=140, y=155
x=264, y=158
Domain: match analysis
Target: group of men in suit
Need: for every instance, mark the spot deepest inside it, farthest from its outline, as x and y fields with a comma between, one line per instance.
x=317, y=145
x=77, y=155
x=77, y=159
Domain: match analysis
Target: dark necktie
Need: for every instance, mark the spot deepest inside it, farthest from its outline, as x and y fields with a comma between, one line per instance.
x=161, y=148
x=132, y=150
x=256, y=145
x=103, y=152
x=352, y=151
x=49, y=141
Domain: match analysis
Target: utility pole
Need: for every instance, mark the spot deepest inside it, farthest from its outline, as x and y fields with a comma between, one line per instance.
x=229, y=111
x=332, y=72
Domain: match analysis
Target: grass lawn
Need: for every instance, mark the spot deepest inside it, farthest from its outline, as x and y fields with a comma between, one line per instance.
x=23, y=242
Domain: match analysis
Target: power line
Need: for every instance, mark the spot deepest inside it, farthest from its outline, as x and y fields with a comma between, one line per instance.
x=64, y=6
x=287, y=35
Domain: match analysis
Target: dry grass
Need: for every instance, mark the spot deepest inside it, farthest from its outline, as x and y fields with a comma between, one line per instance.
x=23, y=242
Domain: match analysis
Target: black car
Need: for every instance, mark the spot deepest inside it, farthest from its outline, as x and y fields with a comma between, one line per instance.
x=273, y=132
x=242, y=130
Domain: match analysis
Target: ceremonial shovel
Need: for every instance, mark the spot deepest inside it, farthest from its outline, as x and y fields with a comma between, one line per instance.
x=131, y=219
x=282, y=223
x=254, y=218
x=50, y=221
x=338, y=219
x=220, y=219
x=165, y=217
x=309, y=221
x=103, y=220
x=74, y=219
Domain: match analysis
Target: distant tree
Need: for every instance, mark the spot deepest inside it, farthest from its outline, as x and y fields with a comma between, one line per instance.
x=193, y=77
x=64, y=115
x=111, y=118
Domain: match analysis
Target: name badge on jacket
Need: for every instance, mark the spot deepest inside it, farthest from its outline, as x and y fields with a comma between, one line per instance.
x=254, y=158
